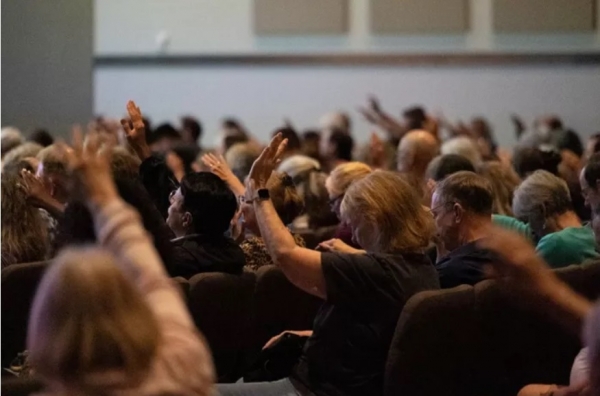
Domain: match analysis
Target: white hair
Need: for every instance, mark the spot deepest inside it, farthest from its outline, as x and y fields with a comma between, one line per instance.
x=463, y=146
x=10, y=137
x=297, y=165
x=335, y=120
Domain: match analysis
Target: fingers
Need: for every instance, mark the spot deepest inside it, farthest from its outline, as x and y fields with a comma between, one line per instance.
x=77, y=138
x=127, y=127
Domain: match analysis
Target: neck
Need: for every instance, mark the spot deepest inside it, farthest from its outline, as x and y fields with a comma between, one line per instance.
x=566, y=220
x=474, y=229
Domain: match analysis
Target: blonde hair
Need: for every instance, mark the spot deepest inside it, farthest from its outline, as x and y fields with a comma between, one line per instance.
x=21, y=152
x=124, y=164
x=24, y=232
x=240, y=158
x=90, y=329
x=391, y=212
x=53, y=159
x=286, y=200
x=504, y=181
x=342, y=176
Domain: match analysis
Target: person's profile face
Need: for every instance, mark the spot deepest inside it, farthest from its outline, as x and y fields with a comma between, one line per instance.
x=444, y=219
x=175, y=213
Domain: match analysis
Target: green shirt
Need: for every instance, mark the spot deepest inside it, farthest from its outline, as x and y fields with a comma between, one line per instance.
x=572, y=245
x=512, y=224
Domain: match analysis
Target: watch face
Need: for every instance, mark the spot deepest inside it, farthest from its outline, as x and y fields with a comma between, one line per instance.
x=263, y=193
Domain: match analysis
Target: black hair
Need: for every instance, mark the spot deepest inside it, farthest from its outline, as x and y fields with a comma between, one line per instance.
x=449, y=164
x=210, y=202
x=570, y=141
x=187, y=154
x=42, y=137
x=291, y=135
x=415, y=116
x=527, y=160
x=343, y=143
x=164, y=131
x=193, y=125
x=77, y=226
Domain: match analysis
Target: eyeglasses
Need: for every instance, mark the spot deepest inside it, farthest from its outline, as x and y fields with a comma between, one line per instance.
x=334, y=201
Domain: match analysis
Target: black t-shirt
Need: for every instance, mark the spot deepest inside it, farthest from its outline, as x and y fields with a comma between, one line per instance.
x=194, y=254
x=353, y=330
x=464, y=265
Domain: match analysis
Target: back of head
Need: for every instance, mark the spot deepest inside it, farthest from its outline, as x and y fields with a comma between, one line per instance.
x=54, y=161
x=386, y=214
x=472, y=191
x=527, y=160
x=41, y=137
x=109, y=328
x=210, y=202
x=540, y=196
x=414, y=117
x=464, y=146
x=444, y=165
x=343, y=144
x=124, y=164
x=10, y=138
x=343, y=175
x=286, y=200
x=187, y=154
x=504, y=182
x=336, y=120
x=19, y=153
x=24, y=232
x=240, y=158
x=311, y=187
x=164, y=131
x=193, y=127
x=293, y=140
x=298, y=166
x=416, y=150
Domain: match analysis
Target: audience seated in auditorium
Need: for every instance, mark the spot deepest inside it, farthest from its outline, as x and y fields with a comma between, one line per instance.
x=462, y=210
x=415, y=152
x=24, y=232
x=504, y=181
x=363, y=293
x=543, y=202
x=140, y=339
x=52, y=172
x=337, y=183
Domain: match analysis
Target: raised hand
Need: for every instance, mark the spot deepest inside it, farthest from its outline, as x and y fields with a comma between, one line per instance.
x=89, y=164
x=219, y=167
x=33, y=188
x=264, y=165
x=135, y=130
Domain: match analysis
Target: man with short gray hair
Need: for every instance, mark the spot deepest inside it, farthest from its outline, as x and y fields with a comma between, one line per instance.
x=462, y=210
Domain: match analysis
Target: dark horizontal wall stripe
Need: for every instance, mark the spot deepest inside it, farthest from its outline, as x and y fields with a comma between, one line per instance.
x=454, y=59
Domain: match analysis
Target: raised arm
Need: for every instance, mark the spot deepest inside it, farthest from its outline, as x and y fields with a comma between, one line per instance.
x=219, y=167
x=301, y=266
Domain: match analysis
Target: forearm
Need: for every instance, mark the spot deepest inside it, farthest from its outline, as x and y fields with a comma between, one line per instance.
x=236, y=186
x=278, y=239
x=142, y=150
x=52, y=206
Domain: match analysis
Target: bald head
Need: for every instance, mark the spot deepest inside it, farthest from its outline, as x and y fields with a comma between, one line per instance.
x=416, y=150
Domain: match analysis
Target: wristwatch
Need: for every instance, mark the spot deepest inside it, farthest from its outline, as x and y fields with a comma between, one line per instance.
x=262, y=195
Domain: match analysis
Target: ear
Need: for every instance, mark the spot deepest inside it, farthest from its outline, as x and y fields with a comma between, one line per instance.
x=459, y=212
x=186, y=220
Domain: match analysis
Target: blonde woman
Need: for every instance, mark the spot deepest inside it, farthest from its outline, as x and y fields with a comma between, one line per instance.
x=363, y=294
x=107, y=320
x=337, y=184
x=504, y=181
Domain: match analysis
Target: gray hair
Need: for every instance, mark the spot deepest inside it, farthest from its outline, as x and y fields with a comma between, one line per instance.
x=25, y=150
x=240, y=158
x=541, y=196
x=298, y=165
x=10, y=137
x=464, y=146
